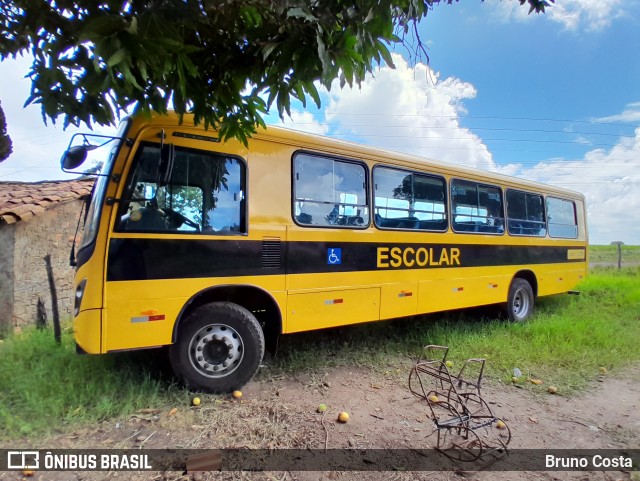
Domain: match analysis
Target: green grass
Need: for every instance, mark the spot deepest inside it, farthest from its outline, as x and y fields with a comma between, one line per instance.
x=47, y=388
x=609, y=254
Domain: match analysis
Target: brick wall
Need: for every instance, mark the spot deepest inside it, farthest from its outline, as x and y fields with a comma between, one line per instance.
x=6, y=277
x=48, y=233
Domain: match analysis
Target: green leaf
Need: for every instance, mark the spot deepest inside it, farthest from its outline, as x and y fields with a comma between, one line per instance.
x=313, y=92
x=251, y=16
x=298, y=12
x=117, y=58
x=128, y=75
x=268, y=48
x=370, y=15
x=382, y=48
x=133, y=26
x=299, y=91
x=142, y=66
x=272, y=95
x=347, y=69
x=323, y=54
x=102, y=26
x=350, y=42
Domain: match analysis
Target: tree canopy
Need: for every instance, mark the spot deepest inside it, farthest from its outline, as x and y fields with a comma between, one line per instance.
x=218, y=59
x=5, y=141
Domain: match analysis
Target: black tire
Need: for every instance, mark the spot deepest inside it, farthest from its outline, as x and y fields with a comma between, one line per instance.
x=521, y=301
x=219, y=348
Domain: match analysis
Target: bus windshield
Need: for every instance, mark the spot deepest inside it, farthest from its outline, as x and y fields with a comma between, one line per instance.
x=92, y=218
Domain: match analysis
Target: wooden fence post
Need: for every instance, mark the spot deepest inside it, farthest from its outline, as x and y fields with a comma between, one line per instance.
x=619, y=244
x=54, y=300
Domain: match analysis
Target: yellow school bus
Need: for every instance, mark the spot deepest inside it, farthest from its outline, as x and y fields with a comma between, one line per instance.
x=215, y=248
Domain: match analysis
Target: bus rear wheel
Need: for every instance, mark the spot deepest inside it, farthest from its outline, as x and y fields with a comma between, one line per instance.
x=218, y=349
x=520, y=301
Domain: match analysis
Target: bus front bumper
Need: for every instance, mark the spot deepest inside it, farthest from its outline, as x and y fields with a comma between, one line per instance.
x=87, y=329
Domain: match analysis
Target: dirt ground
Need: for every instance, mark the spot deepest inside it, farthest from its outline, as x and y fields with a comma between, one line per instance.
x=281, y=412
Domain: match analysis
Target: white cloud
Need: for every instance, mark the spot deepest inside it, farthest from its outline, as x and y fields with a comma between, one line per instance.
x=610, y=180
x=589, y=14
x=409, y=110
x=574, y=15
x=631, y=113
x=302, y=121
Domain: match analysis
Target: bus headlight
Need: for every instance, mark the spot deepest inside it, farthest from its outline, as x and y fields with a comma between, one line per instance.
x=78, y=299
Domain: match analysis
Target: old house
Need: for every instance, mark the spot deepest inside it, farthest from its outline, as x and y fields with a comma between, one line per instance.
x=37, y=219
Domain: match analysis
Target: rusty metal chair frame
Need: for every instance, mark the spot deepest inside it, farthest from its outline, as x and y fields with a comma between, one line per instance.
x=457, y=407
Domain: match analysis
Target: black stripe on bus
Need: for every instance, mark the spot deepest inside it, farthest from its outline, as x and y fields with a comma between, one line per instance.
x=139, y=259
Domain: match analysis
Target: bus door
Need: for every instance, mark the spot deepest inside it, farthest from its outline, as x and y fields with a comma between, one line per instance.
x=179, y=228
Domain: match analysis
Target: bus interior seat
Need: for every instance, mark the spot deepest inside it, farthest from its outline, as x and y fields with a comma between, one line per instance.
x=467, y=226
x=433, y=224
x=398, y=222
x=146, y=218
x=305, y=218
x=408, y=223
x=151, y=219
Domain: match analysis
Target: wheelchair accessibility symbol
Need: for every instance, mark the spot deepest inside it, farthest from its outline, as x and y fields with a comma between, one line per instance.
x=334, y=256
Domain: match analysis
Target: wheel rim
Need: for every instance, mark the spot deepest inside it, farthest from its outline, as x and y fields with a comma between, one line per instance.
x=216, y=350
x=521, y=303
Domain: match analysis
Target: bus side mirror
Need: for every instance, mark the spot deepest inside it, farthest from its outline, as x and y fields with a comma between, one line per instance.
x=74, y=157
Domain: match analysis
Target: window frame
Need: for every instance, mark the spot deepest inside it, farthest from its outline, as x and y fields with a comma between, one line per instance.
x=334, y=158
x=412, y=172
x=243, y=209
x=478, y=184
x=575, y=218
x=544, y=213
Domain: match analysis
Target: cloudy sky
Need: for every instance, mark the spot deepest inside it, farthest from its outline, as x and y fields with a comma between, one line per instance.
x=553, y=98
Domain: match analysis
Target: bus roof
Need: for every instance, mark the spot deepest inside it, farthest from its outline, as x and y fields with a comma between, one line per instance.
x=355, y=150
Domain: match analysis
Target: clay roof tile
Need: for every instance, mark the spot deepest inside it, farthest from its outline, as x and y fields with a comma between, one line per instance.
x=23, y=200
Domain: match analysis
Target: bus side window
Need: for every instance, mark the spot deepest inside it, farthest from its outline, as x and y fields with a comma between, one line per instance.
x=329, y=192
x=562, y=218
x=409, y=200
x=525, y=212
x=478, y=207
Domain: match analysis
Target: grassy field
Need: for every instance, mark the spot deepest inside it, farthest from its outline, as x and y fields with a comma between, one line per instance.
x=608, y=254
x=47, y=388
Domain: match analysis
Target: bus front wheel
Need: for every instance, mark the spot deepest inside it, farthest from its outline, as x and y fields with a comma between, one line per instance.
x=520, y=301
x=218, y=349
